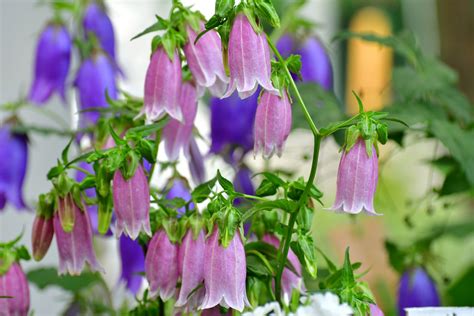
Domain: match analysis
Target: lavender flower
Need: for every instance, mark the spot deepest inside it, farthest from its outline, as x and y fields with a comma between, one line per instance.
x=249, y=59
x=14, y=285
x=196, y=163
x=375, y=310
x=180, y=190
x=224, y=273
x=356, y=180
x=132, y=203
x=272, y=124
x=53, y=57
x=41, y=236
x=161, y=266
x=14, y=154
x=206, y=62
x=162, y=86
x=97, y=22
x=75, y=247
x=133, y=263
x=417, y=289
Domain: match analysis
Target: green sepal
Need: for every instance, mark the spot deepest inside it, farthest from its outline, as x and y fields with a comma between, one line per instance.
x=305, y=251
x=103, y=178
x=352, y=135
x=104, y=211
x=7, y=258
x=67, y=215
x=130, y=165
x=45, y=207
x=63, y=184
x=159, y=25
x=77, y=197
x=267, y=11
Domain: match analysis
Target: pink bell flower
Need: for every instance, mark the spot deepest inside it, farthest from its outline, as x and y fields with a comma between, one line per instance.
x=356, y=180
x=75, y=248
x=249, y=59
x=375, y=310
x=41, y=236
x=14, y=285
x=161, y=266
x=224, y=273
x=132, y=203
x=206, y=62
x=162, y=86
x=272, y=124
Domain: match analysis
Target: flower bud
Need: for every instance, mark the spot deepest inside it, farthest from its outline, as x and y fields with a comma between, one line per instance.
x=41, y=236
x=205, y=61
x=133, y=263
x=272, y=124
x=225, y=273
x=132, y=203
x=191, y=268
x=14, y=285
x=417, y=289
x=75, y=248
x=53, y=57
x=97, y=22
x=162, y=86
x=161, y=266
x=14, y=154
x=356, y=180
x=249, y=59
x=177, y=135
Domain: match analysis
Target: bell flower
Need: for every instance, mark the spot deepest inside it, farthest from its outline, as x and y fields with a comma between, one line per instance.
x=375, y=310
x=133, y=263
x=206, y=62
x=96, y=21
x=162, y=86
x=132, y=203
x=272, y=124
x=249, y=59
x=41, y=236
x=161, y=266
x=179, y=190
x=224, y=273
x=356, y=180
x=14, y=285
x=196, y=163
x=53, y=57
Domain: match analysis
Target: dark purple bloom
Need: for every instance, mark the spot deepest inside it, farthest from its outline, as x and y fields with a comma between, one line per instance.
x=180, y=190
x=243, y=183
x=133, y=263
x=417, y=289
x=15, y=285
x=95, y=78
x=53, y=57
x=316, y=64
x=232, y=122
x=14, y=155
x=196, y=163
x=96, y=21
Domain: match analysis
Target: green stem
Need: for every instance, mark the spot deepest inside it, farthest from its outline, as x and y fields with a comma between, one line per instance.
x=81, y=170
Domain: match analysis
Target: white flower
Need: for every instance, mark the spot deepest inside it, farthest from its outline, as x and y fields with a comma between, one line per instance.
x=272, y=308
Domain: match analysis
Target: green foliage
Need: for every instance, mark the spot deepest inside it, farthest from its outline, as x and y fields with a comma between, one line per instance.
x=46, y=277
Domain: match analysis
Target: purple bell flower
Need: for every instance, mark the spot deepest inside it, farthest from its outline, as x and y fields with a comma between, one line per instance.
x=196, y=163
x=133, y=263
x=272, y=124
x=53, y=57
x=191, y=269
x=375, y=310
x=75, y=247
x=232, y=122
x=161, y=266
x=206, y=62
x=95, y=78
x=162, y=86
x=243, y=184
x=289, y=280
x=15, y=285
x=132, y=203
x=97, y=22
x=14, y=154
x=177, y=135
x=417, y=289
x=356, y=180
x=41, y=236
x=225, y=273
x=315, y=62
x=249, y=59
x=179, y=190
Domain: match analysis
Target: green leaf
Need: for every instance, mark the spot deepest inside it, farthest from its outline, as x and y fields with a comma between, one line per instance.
x=159, y=25
x=347, y=271
x=266, y=188
x=146, y=130
x=46, y=277
x=147, y=150
x=459, y=292
x=266, y=10
x=54, y=172
x=223, y=7
x=202, y=191
x=64, y=154
x=225, y=184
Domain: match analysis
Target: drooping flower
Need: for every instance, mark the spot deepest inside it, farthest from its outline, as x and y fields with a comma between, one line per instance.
x=417, y=289
x=315, y=62
x=224, y=273
x=375, y=310
x=356, y=180
x=196, y=163
x=14, y=154
x=132, y=203
x=249, y=59
x=177, y=135
x=243, y=184
x=95, y=78
x=206, y=62
x=96, y=21
x=162, y=86
x=161, y=266
x=75, y=248
x=14, y=286
x=289, y=280
x=180, y=190
x=232, y=122
x=133, y=263
x=53, y=57
x=41, y=236
x=272, y=124
x=191, y=268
